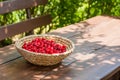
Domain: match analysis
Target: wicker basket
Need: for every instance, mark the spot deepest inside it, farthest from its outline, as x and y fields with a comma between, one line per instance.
x=40, y=58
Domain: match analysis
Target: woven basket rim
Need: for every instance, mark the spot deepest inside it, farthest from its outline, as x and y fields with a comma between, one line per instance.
x=44, y=54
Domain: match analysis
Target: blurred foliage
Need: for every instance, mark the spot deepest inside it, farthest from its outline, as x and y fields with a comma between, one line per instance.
x=64, y=12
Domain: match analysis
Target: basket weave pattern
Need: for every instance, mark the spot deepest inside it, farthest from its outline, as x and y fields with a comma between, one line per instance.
x=42, y=58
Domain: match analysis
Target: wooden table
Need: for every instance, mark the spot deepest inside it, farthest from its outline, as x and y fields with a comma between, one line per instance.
x=96, y=55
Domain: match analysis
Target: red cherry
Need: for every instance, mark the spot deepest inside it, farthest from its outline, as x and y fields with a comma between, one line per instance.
x=42, y=45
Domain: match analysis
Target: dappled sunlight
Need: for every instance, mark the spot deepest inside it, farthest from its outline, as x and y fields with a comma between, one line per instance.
x=26, y=69
x=38, y=77
x=71, y=30
x=6, y=30
x=68, y=78
x=95, y=55
x=90, y=63
x=1, y=4
x=82, y=57
x=85, y=47
x=35, y=3
x=8, y=53
x=108, y=62
x=96, y=58
x=115, y=48
x=88, y=55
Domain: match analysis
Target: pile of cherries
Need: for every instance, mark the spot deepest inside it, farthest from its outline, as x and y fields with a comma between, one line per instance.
x=45, y=46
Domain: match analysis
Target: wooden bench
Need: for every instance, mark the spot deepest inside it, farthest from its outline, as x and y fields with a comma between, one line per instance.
x=96, y=55
x=24, y=26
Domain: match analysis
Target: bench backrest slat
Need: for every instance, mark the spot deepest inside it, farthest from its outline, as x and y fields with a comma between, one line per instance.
x=12, y=5
x=24, y=26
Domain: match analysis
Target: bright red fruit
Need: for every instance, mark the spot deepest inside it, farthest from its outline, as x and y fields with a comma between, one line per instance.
x=42, y=45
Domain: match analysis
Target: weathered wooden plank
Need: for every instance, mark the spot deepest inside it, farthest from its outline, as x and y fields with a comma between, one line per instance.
x=11, y=30
x=12, y=5
x=8, y=53
x=20, y=69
